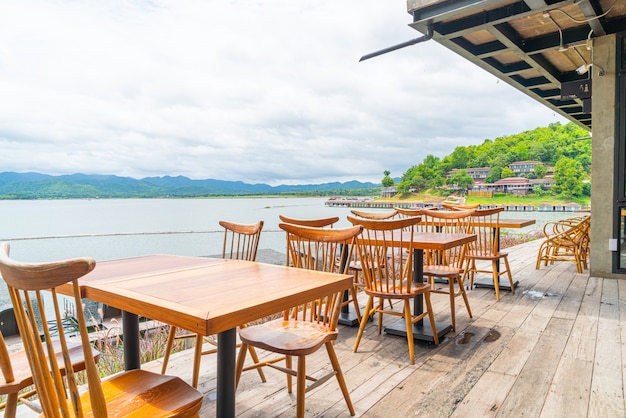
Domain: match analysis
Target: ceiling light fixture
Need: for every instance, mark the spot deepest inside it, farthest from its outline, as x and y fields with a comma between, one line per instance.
x=585, y=67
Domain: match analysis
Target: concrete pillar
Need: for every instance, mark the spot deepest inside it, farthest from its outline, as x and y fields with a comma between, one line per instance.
x=603, y=154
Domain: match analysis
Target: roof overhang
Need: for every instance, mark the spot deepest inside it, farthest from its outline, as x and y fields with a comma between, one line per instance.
x=535, y=46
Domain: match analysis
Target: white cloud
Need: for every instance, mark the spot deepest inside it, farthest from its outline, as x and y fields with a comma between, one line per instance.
x=260, y=92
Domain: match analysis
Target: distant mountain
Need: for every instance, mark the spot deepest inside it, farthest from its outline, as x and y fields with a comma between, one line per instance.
x=77, y=186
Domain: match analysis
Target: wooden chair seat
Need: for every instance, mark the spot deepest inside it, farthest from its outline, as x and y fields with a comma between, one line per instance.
x=138, y=393
x=291, y=338
x=442, y=271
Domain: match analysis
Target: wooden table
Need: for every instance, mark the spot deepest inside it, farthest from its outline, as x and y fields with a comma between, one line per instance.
x=426, y=241
x=206, y=296
x=487, y=282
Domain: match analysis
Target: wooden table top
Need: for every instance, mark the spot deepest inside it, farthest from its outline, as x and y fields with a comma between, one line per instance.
x=433, y=241
x=516, y=223
x=205, y=295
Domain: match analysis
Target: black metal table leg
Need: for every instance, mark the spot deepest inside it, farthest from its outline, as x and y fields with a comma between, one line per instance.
x=226, y=347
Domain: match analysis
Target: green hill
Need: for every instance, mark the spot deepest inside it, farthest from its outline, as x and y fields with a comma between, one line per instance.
x=565, y=151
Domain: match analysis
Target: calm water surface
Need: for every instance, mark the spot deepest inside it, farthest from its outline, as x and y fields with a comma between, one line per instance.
x=47, y=230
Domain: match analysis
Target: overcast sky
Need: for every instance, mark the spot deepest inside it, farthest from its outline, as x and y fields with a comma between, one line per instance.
x=262, y=92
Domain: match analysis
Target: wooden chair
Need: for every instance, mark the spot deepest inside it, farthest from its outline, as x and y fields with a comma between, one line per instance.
x=485, y=224
x=304, y=329
x=389, y=273
x=17, y=376
x=317, y=222
x=328, y=222
x=241, y=242
x=448, y=265
x=136, y=392
x=374, y=215
x=355, y=265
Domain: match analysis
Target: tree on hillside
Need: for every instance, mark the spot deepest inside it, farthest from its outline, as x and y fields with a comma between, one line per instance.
x=461, y=179
x=547, y=145
x=495, y=174
x=568, y=176
x=387, y=181
x=506, y=173
x=540, y=171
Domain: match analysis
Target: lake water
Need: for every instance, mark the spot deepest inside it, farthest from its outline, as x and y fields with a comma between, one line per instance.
x=48, y=230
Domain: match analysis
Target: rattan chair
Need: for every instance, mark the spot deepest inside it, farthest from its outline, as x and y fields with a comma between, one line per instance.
x=135, y=392
x=304, y=329
x=241, y=242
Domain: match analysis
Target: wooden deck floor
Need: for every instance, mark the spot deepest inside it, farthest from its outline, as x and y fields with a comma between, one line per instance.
x=559, y=353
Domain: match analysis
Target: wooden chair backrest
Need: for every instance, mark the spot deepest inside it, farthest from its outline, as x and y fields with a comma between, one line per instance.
x=241, y=241
x=26, y=283
x=319, y=249
x=446, y=222
x=375, y=215
x=455, y=206
x=317, y=223
x=409, y=213
x=485, y=223
x=385, y=251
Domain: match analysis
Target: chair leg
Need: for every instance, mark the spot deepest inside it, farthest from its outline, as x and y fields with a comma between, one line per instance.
x=330, y=349
x=168, y=348
x=431, y=317
x=197, y=355
x=241, y=359
x=255, y=358
x=10, y=409
x=496, y=279
x=408, y=319
x=465, y=299
x=366, y=314
x=355, y=302
x=381, y=306
x=452, y=295
x=508, y=272
x=472, y=271
x=289, y=365
x=301, y=386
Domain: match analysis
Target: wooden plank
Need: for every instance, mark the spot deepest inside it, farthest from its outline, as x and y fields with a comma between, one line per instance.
x=607, y=392
x=486, y=396
x=460, y=366
x=530, y=388
x=570, y=389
